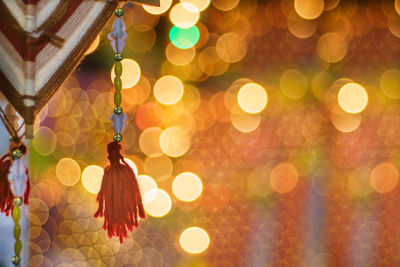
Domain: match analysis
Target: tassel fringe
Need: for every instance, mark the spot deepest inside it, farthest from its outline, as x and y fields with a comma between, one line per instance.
x=119, y=198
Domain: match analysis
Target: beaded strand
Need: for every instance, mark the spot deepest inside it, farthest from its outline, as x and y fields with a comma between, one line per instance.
x=119, y=12
x=16, y=214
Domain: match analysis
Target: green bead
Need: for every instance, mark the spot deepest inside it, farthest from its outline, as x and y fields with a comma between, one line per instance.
x=16, y=260
x=16, y=214
x=118, y=69
x=117, y=138
x=117, y=98
x=119, y=12
x=117, y=83
x=17, y=231
x=118, y=57
x=17, y=201
x=118, y=110
x=18, y=247
x=16, y=154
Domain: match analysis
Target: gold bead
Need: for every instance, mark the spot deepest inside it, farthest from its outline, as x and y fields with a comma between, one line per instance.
x=16, y=214
x=16, y=154
x=16, y=260
x=118, y=110
x=118, y=57
x=117, y=138
x=17, y=201
x=118, y=69
x=119, y=12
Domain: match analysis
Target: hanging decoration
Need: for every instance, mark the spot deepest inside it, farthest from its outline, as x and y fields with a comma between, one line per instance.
x=14, y=178
x=119, y=198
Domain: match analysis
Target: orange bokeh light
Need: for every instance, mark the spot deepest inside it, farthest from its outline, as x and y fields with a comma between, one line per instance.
x=284, y=178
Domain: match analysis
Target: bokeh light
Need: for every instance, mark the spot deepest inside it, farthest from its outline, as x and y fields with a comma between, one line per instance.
x=159, y=167
x=68, y=171
x=231, y=47
x=352, y=98
x=168, y=90
x=147, y=187
x=246, y=122
x=284, y=178
x=194, y=240
x=92, y=177
x=309, y=9
x=346, y=122
x=225, y=5
x=195, y=5
x=149, y=141
x=384, y=177
x=45, y=141
x=180, y=57
x=184, y=38
x=390, y=83
x=184, y=17
x=187, y=186
x=397, y=6
x=174, y=142
x=160, y=205
x=331, y=47
x=130, y=73
x=252, y=98
x=294, y=84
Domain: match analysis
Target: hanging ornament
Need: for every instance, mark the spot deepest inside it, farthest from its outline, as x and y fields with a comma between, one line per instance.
x=119, y=198
x=14, y=178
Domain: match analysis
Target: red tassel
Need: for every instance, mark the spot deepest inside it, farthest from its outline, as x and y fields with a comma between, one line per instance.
x=119, y=198
x=28, y=189
x=6, y=195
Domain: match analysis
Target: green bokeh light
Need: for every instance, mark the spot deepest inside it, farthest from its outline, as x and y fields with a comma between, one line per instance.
x=184, y=38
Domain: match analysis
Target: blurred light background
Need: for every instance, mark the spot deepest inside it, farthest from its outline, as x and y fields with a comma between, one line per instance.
x=263, y=133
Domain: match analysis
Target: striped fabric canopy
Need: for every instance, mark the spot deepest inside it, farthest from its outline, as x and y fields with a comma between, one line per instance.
x=41, y=42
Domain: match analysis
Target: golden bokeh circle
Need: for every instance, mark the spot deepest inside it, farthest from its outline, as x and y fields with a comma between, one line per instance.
x=293, y=83
x=309, y=9
x=187, y=187
x=149, y=141
x=284, y=177
x=130, y=73
x=184, y=17
x=384, y=177
x=352, y=98
x=331, y=47
x=194, y=240
x=147, y=184
x=45, y=141
x=168, y=90
x=195, y=5
x=252, y=98
x=390, y=83
x=174, y=142
x=92, y=177
x=160, y=205
x=68, y=171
